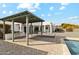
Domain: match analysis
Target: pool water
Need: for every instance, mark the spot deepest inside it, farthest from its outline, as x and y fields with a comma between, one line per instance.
x=73, y=46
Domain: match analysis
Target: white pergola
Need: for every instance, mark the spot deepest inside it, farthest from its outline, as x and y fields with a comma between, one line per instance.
x=22, y=17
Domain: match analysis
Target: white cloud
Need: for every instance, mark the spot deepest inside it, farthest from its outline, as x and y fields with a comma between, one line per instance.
x=51, y=8
x=3, y=5
x=49, y=15
x=42, y=15
x=30, y=6
x=62, y=8
x=25, y=5
x=32, y=10
x=64, y=4
x=10, y=12
x=37, y=6
x=74, y=17
x=4, y=12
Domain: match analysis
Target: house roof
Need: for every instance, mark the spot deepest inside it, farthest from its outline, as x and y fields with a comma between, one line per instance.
x=21, y=17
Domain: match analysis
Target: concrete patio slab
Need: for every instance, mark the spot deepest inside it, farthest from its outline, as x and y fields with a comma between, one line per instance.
x=49, y=44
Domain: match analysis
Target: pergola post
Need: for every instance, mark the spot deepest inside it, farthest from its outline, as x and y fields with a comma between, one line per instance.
x=31, y=28
x=41, y=28
x=51, y=28
x=3, y=30
x=44, y=28
x=20, y=27
x=13, y=30
x=27, y=30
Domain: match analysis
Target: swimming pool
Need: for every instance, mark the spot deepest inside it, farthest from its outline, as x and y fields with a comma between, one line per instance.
x=73, y=46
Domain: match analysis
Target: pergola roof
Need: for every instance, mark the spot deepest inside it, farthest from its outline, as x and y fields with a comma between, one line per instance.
x=21, y=17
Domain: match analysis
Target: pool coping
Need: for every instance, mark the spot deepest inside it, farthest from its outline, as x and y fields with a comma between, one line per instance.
x=76, y=38
x=66, y=50
x=71, y=38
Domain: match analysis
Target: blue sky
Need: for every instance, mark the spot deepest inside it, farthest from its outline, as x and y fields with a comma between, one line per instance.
x=51, y=12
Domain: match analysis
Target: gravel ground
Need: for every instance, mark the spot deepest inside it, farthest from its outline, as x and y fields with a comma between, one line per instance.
x=68, y=34
x=7, y=48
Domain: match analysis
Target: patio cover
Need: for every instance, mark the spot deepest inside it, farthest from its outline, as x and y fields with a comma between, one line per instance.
x=21, y=17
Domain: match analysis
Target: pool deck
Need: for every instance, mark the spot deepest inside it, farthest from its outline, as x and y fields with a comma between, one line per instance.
x=69, y=35
x=48, y=44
